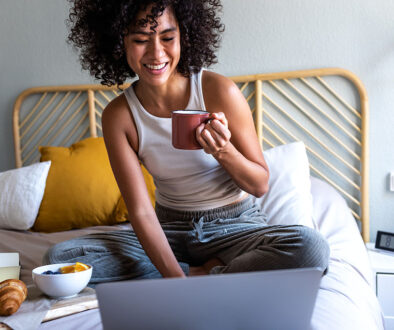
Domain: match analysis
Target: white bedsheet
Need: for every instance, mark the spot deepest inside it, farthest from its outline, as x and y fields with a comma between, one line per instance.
x=345, y=300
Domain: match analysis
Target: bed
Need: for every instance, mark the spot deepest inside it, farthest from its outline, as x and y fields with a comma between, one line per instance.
x=326, y=109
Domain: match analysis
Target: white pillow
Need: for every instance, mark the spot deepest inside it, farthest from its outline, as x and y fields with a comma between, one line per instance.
x=21, y=193
x=289, y=199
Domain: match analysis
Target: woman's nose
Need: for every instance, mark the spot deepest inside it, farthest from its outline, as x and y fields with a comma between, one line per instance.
x=156, y=49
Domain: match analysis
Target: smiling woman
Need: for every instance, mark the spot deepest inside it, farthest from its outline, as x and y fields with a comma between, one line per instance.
x=98, y=29
x=205, y=220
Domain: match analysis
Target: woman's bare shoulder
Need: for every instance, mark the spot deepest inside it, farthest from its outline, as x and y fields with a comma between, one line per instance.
x=212, y=80
x=116, y=110
x=219, y=90
x=118, y=119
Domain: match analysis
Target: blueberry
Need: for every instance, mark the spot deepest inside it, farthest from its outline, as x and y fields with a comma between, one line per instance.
x=56, y=273
x=48, y=272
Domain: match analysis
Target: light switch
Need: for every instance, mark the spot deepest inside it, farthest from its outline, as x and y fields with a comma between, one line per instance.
x=391, y=181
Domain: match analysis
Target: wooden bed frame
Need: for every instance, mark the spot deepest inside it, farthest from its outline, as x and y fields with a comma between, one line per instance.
x=287, y=106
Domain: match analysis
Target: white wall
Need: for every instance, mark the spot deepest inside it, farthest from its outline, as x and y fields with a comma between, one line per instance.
x=261, y=36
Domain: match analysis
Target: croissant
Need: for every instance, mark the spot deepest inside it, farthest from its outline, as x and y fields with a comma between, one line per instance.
x=12, y=294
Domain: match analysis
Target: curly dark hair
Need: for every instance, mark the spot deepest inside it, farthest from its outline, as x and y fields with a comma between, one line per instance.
x=97, y=29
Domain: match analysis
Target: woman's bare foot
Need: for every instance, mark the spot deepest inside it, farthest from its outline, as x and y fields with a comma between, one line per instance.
x=205, y=268
x=212, y=263
x=197, y=271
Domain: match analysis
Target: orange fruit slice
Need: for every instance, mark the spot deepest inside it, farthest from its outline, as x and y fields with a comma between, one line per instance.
x=67, y=269
x=79, y=267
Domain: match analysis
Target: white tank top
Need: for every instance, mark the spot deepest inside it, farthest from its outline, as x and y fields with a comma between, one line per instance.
x=184, y=179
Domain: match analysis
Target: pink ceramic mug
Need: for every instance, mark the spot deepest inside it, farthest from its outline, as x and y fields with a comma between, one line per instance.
x=184, y=124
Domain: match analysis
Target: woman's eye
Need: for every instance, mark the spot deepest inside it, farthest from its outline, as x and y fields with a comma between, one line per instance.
x=140, y=41
x=168, y=39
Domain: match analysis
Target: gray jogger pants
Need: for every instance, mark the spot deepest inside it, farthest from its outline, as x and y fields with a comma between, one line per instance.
x=237, y=234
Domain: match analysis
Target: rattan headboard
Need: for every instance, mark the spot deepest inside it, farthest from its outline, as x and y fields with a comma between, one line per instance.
x=327, y=109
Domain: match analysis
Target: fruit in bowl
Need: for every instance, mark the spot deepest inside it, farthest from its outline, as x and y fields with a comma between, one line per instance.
x=62, y=280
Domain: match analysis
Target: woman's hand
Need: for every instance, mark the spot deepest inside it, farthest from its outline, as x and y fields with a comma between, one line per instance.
x=214, y=136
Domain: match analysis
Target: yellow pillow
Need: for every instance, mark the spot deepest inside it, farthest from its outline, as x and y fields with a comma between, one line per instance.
x=81, y=190
x=121, y=210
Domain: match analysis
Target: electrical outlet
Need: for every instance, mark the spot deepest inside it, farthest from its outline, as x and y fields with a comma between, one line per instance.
x=391, y=181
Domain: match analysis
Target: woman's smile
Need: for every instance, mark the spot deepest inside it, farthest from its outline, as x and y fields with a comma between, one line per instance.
x=156, y=69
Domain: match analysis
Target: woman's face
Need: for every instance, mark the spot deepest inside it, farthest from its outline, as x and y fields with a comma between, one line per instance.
x=154, y=55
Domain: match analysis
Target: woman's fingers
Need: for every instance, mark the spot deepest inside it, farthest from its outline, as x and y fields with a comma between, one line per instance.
x=221, y=117
x=206, y=140
x=200, y=138
x=214, y=135
x=219, y=128
x=211, y=142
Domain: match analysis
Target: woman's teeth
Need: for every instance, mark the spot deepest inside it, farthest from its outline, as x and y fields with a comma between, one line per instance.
x=155, y=67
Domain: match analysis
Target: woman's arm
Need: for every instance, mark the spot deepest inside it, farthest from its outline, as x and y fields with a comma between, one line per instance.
x=121, y=140
x=231, y=136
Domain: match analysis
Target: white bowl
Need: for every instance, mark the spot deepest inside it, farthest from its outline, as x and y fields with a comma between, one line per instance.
x=61, y=285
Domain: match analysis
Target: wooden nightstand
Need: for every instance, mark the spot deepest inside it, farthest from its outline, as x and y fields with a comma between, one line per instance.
x=382, y=263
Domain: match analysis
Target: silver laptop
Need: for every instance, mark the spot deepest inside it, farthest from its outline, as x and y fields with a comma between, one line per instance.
x=279, y=299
